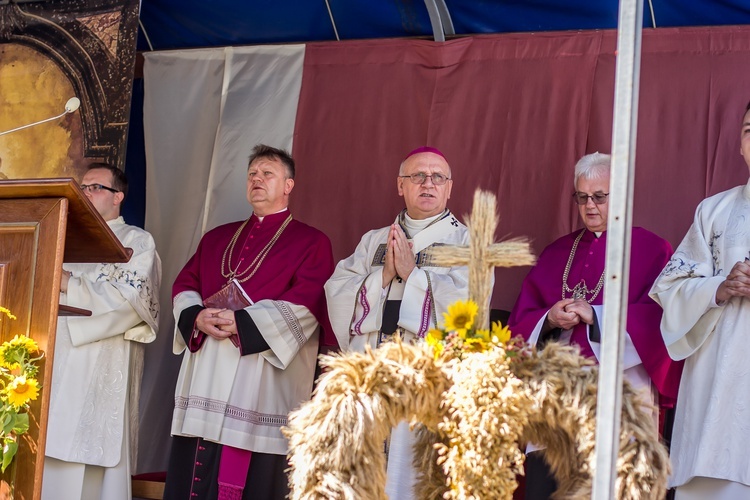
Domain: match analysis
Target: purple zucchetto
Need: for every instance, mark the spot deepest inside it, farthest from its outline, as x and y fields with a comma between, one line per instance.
x=426, y=149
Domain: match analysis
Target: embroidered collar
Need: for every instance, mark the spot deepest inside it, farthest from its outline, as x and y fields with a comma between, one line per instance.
x=405, y=222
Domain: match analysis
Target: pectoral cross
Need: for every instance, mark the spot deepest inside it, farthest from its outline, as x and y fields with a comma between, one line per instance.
x=483, y=255
x=580, y=290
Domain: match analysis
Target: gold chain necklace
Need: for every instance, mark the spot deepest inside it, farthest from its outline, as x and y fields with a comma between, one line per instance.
x=226, y=263
x=580, y=290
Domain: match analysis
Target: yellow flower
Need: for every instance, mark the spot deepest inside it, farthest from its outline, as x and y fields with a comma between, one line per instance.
x=15, y=354
x=10, y=365
x=475, y=344
x=437, y=349
x=434, y=336
x=7, y=312
x=23, y=341
x=482, y=335
x=435, y=340
x=460, y=316
x=22, y=390
x=4, y=361
x=500, y=332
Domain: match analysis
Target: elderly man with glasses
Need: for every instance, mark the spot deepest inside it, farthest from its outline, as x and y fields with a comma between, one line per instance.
x=561, y=300
x=93, y=412
x=388, y=286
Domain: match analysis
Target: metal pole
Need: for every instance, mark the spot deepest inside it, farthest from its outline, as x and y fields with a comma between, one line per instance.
x=617, y=267
x=437, y=24
x=333, y=21
x=445, y=17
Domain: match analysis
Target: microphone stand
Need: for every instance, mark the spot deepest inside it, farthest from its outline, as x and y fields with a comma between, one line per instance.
x=70, y=107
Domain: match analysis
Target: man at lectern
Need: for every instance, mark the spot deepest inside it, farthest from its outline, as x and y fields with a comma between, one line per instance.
x=93, y=414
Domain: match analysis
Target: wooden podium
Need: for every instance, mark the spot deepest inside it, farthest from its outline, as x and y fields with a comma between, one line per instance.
x=43, y=223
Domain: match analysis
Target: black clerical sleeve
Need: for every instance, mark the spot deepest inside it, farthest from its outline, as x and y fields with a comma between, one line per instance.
x=552, y=335
x=251, y=341
x=595, y=333
x=186, y=324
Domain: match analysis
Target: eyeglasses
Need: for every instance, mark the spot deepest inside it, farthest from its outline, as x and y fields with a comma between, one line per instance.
x=583, y=198
x=421, y=178
x=95, y=188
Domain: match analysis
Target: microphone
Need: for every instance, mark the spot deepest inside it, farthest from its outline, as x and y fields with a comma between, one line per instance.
x=70, y=107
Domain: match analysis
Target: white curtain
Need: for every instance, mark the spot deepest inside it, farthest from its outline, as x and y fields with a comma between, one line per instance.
x=204, y=110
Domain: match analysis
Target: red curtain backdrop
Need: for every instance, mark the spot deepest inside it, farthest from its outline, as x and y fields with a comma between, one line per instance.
x=513, y=113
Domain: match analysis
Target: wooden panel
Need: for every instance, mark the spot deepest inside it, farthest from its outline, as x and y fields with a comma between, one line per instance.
x=153, y=490
x=31, y=252
x=89, y=239
x=5, y=322
x=18, y=253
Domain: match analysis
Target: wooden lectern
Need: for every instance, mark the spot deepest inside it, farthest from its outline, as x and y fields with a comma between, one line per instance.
x=43, y=223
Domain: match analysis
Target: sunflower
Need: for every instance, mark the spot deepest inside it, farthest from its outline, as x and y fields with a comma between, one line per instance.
x=6, y=360
x=460, y=316
x=7, y=312
x=438, y=349
x=23, y=341
x=8, y=364
x=500, y=332
x=22, y=390
x=435, y=336
x=483, y=335
x=476, y=344
x=434, y=339
x=15, y=354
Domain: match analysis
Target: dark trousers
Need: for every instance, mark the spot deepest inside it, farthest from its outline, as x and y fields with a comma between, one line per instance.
x=193, y=473
x=540, y=483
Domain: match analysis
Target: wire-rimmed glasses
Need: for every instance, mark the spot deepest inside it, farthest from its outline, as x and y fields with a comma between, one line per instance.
x=437, y=179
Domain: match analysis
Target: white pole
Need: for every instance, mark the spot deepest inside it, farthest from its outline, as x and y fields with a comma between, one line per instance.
x=627, y=75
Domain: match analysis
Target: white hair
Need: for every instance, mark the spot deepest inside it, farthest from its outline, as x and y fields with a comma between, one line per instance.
x=592, y=166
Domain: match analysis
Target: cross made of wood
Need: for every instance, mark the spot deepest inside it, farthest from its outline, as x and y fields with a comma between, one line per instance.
x=483, y=255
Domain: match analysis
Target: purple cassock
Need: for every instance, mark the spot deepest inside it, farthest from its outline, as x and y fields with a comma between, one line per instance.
x=281, y=260
x=294, y=271
x=543, y=287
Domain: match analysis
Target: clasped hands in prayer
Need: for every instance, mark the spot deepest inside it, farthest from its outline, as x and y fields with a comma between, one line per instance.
x=218, y=323
x=736, y=284
x=567, y=313
x=399, y=258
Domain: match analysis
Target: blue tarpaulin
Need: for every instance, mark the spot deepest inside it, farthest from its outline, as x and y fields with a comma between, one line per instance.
x=172, y=24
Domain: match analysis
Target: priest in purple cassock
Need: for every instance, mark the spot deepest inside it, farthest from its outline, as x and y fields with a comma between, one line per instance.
x=250, y=311
x=561, y=300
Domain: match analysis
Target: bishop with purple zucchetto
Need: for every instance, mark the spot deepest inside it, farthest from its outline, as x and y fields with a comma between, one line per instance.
x=389, y=284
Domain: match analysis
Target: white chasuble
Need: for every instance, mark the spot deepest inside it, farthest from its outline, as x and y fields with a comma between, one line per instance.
x=356, y=300
x=356, y=294
x=712, y=423
x=241, y=414
x=99, y=358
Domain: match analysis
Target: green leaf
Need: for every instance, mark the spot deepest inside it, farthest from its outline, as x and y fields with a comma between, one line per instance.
x=22, y=423
x=9, y=421
x=9, y=451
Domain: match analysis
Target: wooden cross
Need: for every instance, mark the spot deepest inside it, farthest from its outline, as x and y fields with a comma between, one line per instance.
x=483, y=255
